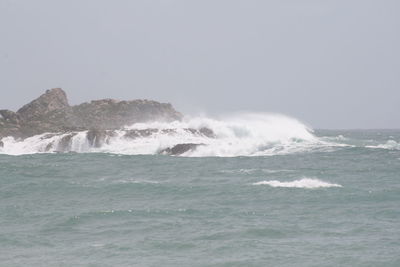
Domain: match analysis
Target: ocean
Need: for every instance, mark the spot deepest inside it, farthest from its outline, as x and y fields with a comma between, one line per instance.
x=289, y=197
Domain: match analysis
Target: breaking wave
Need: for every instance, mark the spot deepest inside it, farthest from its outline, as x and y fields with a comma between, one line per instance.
x=302, y=183
x=242, y=135
x=252, y=171
x=390, y=145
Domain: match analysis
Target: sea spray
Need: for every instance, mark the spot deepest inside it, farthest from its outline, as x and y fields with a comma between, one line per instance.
x=250, y=134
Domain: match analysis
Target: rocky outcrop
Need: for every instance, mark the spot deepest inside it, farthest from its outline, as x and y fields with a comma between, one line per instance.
x=179, y=149
x=99, y=122
x=113, y=114
x=53, y=100
x=52, y=113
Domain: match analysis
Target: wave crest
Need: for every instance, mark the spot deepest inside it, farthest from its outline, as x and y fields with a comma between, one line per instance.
x=308, y=183
x=390, y=145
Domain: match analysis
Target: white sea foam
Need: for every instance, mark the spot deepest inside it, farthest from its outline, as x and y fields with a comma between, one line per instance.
x=250, y=171
x=131, y=181
x=241, y=135
x=309, y=183
x=390, y=144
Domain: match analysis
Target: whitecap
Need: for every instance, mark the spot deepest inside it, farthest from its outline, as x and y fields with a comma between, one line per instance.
x=390, y=144
x=309, y=183
x=251, y=171
x=130, y=181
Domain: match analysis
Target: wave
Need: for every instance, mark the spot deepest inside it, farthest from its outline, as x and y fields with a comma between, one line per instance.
x=251, y=171
x=248, y=134
x=308, y=183
x=390, y=144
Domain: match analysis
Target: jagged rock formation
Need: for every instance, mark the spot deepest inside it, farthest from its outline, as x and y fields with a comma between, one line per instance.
x=52, y=101
x=52, y=113
x=93, y=124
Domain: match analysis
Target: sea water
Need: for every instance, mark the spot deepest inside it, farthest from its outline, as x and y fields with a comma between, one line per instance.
x=282, y=198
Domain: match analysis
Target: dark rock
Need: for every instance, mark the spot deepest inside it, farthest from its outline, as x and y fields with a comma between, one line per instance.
x=97, y=138
x=140, y=133
x=65, y=143
x=49, y=147
x=202, y=131
x=207, y=132
x=1, y=144
x=136, y=133
x=179, y=149
x=9, y=116
x=47, y=136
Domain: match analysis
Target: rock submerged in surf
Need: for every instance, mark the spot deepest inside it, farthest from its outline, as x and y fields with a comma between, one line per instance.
x=179, y=149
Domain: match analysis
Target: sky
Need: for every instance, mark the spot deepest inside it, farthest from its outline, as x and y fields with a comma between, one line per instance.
x=331, y=64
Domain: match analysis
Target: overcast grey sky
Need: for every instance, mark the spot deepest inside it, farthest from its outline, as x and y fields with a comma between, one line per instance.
x=331, y=64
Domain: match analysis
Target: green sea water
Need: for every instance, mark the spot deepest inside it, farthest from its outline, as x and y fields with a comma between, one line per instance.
x=332, y=207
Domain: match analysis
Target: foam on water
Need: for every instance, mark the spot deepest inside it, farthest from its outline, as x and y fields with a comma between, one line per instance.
x=309, y=183
x=248, y=134
x=390, y=144
x=132, y=181
x=250, y=171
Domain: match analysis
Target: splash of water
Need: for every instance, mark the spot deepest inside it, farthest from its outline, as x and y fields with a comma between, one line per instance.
x=241, y=135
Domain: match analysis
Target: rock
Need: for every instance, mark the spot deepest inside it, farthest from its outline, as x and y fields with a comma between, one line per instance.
x=65, y=143
x=113, y=114
x=179, y=149
x=97, y=138
x=52, y=113
x=132, y=134
x=202, y=131
x=47, y=136
x=49, y=147
x=9, y=116
x=136, y=133
x=207, y=132
x=1, y=144
x=54, y=99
